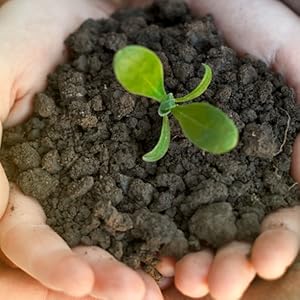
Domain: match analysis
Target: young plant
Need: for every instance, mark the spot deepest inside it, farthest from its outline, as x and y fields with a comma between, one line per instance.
x=140, y=71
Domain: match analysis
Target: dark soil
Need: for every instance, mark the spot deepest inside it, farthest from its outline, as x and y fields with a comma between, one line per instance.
x=80, y=153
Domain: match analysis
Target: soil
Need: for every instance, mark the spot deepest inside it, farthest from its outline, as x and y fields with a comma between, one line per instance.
x=81, y=152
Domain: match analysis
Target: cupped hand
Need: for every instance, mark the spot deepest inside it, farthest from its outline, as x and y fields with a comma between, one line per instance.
x=32, y=30
x=16, y=284
x=32, y=34
x=269, y=30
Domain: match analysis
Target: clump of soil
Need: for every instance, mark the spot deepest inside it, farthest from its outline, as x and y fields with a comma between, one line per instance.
x=80, y=153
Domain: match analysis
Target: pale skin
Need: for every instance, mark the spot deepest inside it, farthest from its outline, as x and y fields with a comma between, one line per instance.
x=31, y=39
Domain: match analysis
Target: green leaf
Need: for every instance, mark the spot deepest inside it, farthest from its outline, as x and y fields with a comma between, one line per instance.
x=207, y=127
x=163, y=144
x=140, y=71
x=201, y=88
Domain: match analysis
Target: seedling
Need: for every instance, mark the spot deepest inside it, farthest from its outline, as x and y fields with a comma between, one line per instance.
x=140, y=71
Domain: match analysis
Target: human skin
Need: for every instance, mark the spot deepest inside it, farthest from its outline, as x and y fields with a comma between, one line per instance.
x=267, y=30
x=32, y=30
x=32, y=34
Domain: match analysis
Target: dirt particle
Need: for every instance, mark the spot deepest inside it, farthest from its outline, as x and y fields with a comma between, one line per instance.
x=163, y=202
x=25, y=156
x=37, y=183
x=260, y=141
x=214, y=223
x=51, y=162
x=84, y=166
x=97, y=103
x=141, y=193
x=208, y=191
x=71, y=85
x=122, y=105
x=79, y=188
x=183, y=71
x=114, y=41
x=171, y=10
x=248, y=74
x=44, y=105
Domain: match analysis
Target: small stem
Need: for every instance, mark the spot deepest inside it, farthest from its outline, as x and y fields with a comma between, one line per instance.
x=167, y=105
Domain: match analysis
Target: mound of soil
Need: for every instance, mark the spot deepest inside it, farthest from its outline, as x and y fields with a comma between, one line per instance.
x=81, y=152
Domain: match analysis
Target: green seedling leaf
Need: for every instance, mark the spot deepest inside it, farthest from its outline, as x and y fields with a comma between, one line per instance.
x=207, y=127
x=201, y=88
x=163, y=144
x=140, y=72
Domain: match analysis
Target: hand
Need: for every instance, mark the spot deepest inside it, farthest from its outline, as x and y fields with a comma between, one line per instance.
x=16, y=284
x=32, y=33
x=266, y=29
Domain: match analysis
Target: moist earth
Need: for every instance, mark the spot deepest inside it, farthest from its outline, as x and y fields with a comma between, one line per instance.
x=80, y=154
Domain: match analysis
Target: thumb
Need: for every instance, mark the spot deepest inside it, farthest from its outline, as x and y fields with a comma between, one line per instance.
x=32, y=35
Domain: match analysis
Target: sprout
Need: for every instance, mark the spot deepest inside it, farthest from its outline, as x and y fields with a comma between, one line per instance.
x=140, y=71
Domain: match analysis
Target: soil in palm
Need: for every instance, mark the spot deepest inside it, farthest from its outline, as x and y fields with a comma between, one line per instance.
x=80, y=154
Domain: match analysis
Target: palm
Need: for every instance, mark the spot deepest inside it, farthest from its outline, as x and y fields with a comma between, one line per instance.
x=36, y=47
x=250, y=27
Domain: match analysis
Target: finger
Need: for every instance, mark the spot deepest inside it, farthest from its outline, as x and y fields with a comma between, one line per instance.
x=249, y=27
x=38, y=250
x=15, y=284
x=152, y=290
x=37, y=36
x=52, y=295
x=165, y=282
x=173, y=294
x=231, y=272
x=166, y=266
x=192, y=274
x=22, y=108
x=114, y=280
x=278, y=245
x=4, y=188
